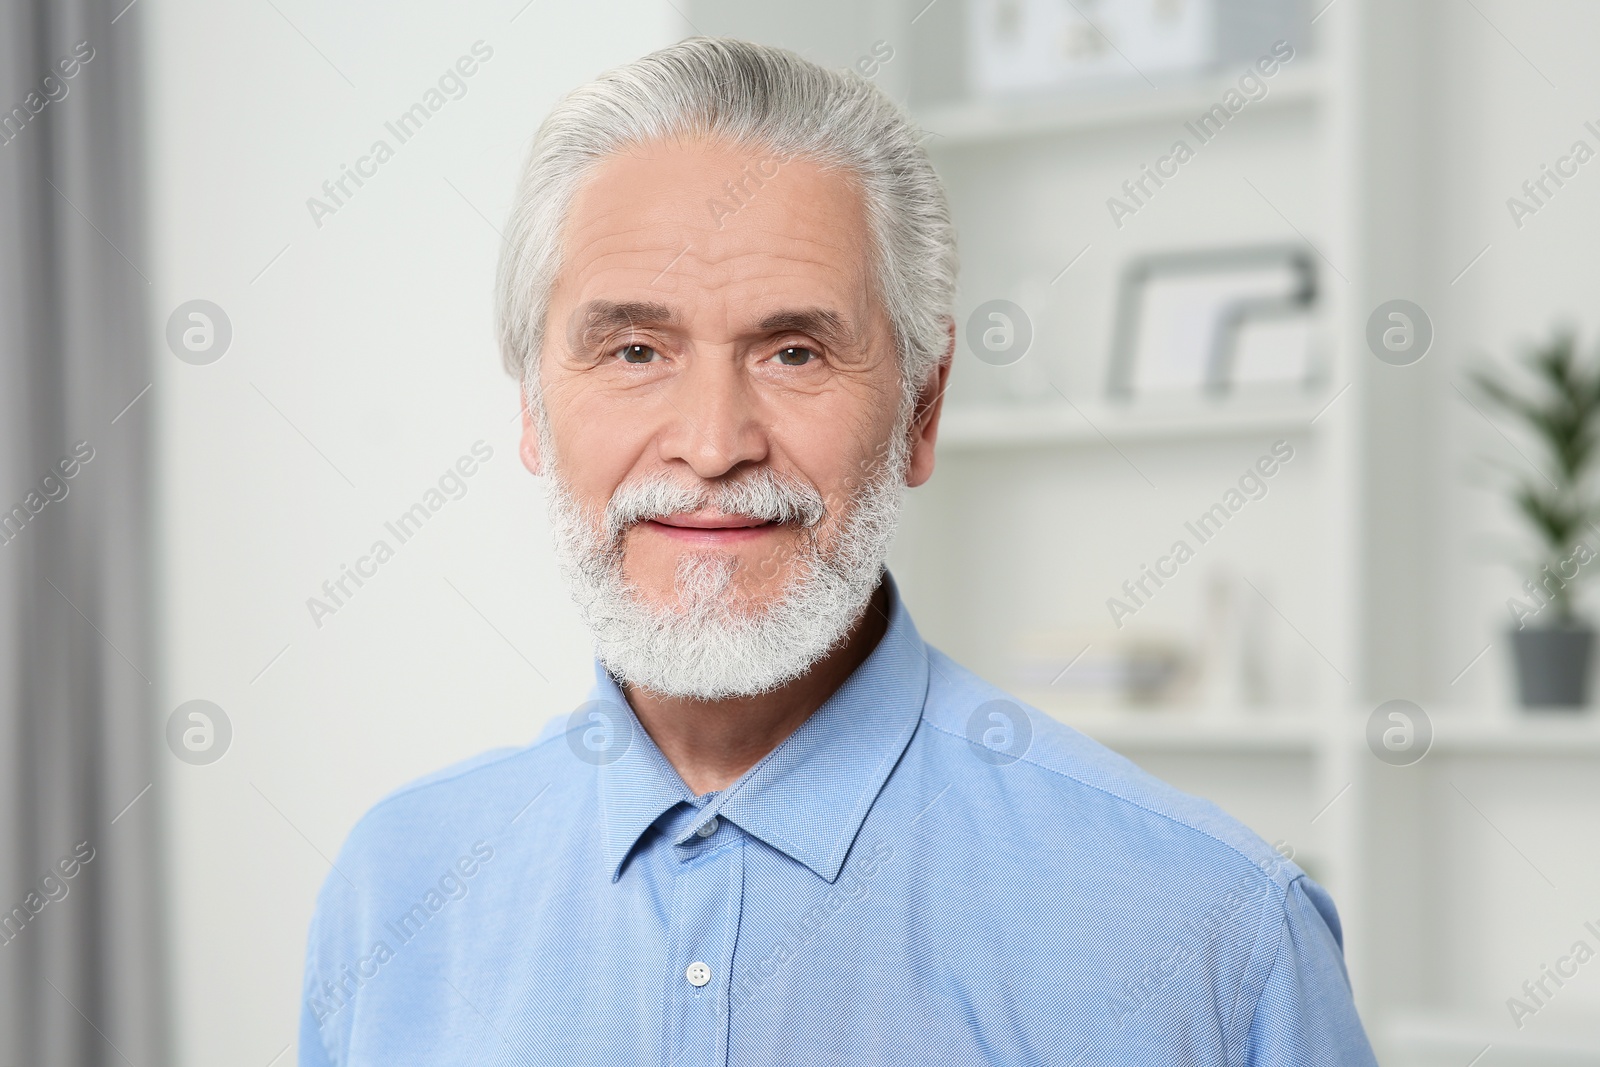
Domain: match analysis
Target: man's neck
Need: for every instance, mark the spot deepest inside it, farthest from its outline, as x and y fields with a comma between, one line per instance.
x=710, y=743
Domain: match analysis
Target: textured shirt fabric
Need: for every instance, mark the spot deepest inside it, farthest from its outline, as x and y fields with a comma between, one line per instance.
x=926, y=872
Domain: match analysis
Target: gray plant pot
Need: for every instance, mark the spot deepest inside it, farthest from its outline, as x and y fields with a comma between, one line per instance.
x=1553, y=666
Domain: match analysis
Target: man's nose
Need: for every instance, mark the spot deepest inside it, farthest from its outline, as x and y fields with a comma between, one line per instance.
x=714, y=422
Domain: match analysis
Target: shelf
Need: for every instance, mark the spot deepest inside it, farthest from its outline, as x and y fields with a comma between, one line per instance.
x=1272, y=732
x=1006, y=425
x=1427, y=1039
x=983, y=122
x=1517, y=732
x=1297, y=731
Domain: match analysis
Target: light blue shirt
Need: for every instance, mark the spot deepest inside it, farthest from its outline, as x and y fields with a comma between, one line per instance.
x=926, y=873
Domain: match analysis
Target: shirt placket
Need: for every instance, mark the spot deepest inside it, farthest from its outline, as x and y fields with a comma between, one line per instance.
x=707, y=895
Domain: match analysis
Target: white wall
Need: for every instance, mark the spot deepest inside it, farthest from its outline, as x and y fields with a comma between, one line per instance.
x=369, y=341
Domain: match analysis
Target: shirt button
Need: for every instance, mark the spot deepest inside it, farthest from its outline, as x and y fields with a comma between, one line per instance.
x=709, y=828
x=698, y=974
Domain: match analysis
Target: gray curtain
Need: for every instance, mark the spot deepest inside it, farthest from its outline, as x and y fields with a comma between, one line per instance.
x=80, y=970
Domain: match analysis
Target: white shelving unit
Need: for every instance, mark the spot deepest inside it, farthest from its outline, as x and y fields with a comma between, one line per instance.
x=1048, y=496
x=1443, y=1040
x=987, y=122
x=1028, y=425
x=1112, y=484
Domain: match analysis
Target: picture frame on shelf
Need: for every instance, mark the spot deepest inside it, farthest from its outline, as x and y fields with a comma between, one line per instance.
x=1032, y=45
x=1205, y=323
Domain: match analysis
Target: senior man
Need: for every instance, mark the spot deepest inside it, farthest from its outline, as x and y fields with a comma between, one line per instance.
x=783, y=829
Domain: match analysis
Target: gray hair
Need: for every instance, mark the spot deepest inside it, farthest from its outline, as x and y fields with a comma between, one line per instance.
x=750, y=95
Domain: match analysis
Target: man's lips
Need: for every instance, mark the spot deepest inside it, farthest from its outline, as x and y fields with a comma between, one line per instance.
x=710, y=529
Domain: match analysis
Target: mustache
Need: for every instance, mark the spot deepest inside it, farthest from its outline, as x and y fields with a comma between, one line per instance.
x=762, y=494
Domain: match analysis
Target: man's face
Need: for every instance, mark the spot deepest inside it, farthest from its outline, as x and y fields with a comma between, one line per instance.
x=715, y=319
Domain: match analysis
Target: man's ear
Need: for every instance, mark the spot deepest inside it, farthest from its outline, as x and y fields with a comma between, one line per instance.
x=529, y=447
x=925, y=423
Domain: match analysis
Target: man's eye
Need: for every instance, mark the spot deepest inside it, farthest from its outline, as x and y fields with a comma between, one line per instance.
x=794, y=357
x=637, y=354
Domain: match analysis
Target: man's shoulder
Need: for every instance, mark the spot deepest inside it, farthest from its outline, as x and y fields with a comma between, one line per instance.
x=1046, y=772
x=480, y=798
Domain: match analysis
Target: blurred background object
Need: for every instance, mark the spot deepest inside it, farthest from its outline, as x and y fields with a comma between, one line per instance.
x=1193, y=322
x=1560, y=410
x=1031, y=45
x=82, y=945
x=1291, y=597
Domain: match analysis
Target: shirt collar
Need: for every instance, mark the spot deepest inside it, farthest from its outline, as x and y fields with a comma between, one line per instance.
x=807, y=797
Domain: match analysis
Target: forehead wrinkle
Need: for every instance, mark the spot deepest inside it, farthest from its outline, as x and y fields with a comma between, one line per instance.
x=834, y=245
x=768, y=272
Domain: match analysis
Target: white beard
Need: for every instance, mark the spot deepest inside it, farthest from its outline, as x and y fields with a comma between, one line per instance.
x=706, y=645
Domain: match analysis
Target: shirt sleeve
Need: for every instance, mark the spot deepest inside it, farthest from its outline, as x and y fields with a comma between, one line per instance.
x=313, y=1051
x=1305, y=1015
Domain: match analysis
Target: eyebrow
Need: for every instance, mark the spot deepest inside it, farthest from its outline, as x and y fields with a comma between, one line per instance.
x=593, y=321
x=823, y=324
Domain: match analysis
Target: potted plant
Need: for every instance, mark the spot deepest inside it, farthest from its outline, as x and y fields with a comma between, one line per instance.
x=1559, y=405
